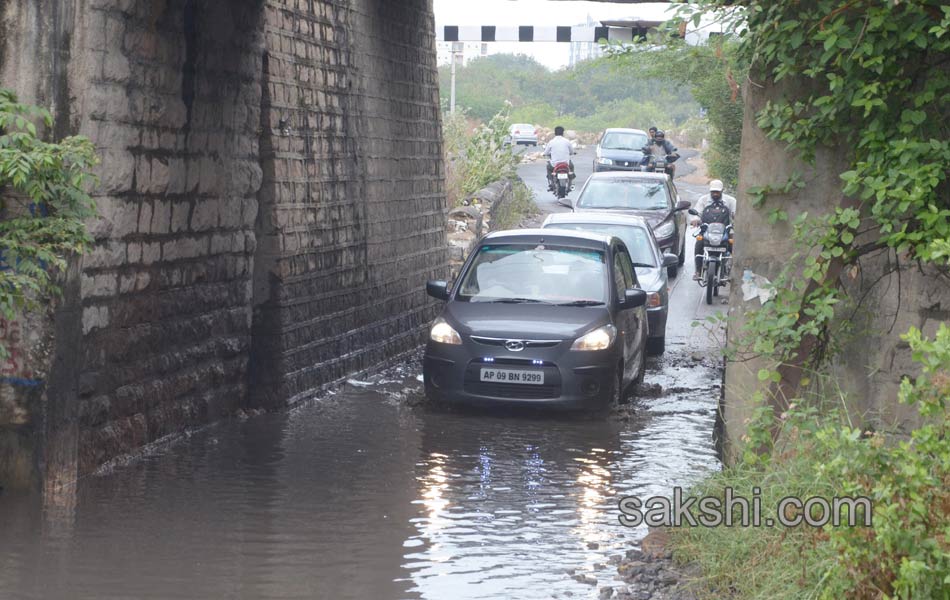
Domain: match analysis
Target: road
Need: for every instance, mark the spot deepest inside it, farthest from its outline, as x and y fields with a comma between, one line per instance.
x=369, y=493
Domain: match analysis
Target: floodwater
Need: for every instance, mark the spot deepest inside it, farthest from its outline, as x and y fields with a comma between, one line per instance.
x=371, y=494
x=363, y=496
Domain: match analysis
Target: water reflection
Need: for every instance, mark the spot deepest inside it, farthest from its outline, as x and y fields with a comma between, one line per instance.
x=359, y=497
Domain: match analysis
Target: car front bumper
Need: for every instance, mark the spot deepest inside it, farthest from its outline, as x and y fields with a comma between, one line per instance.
x=572, y=380
x=632, y=166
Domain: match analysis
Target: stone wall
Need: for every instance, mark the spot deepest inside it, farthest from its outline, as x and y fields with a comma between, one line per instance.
x=352, y=206
x=271, y=198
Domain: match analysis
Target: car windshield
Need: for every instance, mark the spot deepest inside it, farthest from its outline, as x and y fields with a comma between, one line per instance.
x=522, y=128
x=628, y=194
x=535, y=273
x=635, y=238
x=623, y=141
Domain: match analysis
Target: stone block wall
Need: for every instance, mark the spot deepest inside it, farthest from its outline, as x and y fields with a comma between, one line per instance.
x=171, y=98
x=352, y=205
x=271, y=204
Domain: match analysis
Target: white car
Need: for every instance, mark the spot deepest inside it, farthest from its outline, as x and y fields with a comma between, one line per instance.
x=522, y=133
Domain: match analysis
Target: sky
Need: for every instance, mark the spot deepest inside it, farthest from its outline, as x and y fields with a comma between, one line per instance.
x=538, y=12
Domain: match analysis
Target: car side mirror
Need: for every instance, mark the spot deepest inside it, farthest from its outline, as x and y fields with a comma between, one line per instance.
x=670, y=260
x=693, y=212
x=437, y=289
x=633, y=298
x=682, y=205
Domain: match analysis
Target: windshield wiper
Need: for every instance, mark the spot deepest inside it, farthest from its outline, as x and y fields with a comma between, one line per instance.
x=582, y=303
x=520, y=301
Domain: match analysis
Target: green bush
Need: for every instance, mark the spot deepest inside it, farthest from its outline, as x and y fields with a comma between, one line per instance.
x=906, y=551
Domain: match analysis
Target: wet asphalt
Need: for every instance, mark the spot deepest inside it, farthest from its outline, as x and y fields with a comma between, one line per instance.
x=370, y=493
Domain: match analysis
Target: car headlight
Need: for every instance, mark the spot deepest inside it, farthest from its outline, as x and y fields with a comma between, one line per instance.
x=443, y=333
x=604, y=161
x=598, y=339
x=664, y=230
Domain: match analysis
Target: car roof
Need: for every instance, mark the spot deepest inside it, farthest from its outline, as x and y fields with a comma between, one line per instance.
x=623, y=130
x=582, y=239
x=600, y=217
x=629, y=175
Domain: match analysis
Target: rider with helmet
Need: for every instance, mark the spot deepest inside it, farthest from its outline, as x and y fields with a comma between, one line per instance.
x=658, y=144
x=714, y=207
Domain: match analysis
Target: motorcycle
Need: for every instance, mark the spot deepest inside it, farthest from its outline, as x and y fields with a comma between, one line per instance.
x=657, y=164
x=562, y=180
x=717, y=256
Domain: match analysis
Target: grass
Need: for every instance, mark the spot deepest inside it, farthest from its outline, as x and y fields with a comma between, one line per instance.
x=521, y=205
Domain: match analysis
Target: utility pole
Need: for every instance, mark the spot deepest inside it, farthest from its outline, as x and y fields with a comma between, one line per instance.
x=456, y=51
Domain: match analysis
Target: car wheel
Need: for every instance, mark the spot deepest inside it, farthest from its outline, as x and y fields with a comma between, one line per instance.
x=619, y=397
x=656, y=345
x=682, y=254
x=672, y=271
x=642, y=369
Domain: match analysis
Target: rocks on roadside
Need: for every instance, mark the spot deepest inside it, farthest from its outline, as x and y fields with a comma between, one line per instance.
x=651, y=573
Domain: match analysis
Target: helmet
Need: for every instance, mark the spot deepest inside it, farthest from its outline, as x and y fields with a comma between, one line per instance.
x=715, y=186
x=659, y=133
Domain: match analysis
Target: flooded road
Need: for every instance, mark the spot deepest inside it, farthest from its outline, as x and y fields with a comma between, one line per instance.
x=370, y=493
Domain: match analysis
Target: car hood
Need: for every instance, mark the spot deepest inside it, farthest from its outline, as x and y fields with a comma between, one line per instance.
x=651, y=279
x=626, y=155
x=524, y=321
x=653, y=217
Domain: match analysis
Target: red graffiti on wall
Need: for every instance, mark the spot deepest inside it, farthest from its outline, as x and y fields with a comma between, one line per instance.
x=14, y=368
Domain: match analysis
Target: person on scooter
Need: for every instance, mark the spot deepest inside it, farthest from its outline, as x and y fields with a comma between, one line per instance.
x=714, y=207
x=559, y=149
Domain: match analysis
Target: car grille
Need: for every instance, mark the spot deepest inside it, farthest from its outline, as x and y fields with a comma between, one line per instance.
x=513, y=390
x=489, y=341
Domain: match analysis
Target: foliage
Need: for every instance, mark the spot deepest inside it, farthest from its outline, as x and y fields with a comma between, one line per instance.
x=486, y=157
x=511, y=213
x=593, y=95
x=906, y=551
x=710, y=71
x=475, y=155
x=867, y=84
x=44, y=203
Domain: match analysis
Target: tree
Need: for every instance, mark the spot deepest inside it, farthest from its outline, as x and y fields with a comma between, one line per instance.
x=43, y=205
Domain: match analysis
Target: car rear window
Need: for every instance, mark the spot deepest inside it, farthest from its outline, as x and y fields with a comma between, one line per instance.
x=624, y=194
x=636, y=239
x=539, y=273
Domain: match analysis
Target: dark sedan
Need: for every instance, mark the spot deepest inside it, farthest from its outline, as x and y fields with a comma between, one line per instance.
x=539, y=317
x=649, y=195
x=620, y=150
x=648, y=261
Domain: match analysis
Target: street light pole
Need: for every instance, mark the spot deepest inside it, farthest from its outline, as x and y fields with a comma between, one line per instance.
x=456, y=51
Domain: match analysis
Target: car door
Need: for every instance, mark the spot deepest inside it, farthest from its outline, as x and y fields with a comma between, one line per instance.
x=628, y=321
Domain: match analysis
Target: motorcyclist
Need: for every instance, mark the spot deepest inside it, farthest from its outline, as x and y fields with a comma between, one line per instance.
x=558, y=149
x=714, y=207
x=658, y=144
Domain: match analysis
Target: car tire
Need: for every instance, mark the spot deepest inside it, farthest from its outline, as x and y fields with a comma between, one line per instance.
x=642, y=371
x=682, y=254
x=656, y=345
x=673, y=271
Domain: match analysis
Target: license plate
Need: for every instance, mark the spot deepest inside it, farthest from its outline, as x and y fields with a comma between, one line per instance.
x=562, y=175
x=512, y=376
